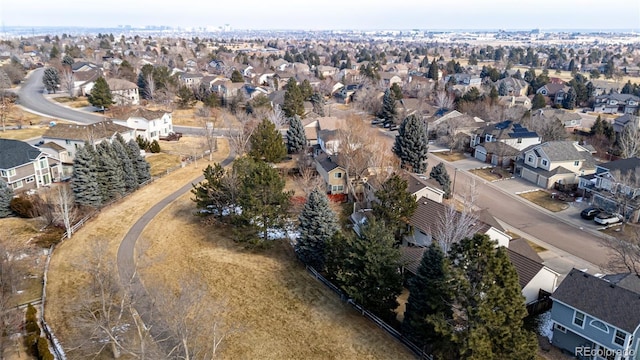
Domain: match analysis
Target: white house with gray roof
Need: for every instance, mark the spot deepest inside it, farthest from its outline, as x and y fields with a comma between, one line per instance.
x=25, y=167
x=555, y=162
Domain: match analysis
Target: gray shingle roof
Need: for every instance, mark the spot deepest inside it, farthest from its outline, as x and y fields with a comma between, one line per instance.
x=327, y=162
x=600, y=298
x=14, y=153
x=526, y=268
x=99, y=130
x=563, y=151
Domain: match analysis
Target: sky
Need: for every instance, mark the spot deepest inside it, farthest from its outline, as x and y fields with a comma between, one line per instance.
x=328, y=14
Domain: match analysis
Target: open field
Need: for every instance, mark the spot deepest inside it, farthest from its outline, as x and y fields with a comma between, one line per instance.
x=161, y=162
x=25, y=133
x=78, y=102
x=283, y=312
x=543, y=198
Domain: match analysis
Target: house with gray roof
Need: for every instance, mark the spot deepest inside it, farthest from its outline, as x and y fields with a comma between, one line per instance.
x=25, y=167
x=569, y=119
x=555, y=162
x=615, y=187
x=622, y=121
x=616, y=103
x=500, y=143
x=73, y=136
x=334, y=175
x=597, y=317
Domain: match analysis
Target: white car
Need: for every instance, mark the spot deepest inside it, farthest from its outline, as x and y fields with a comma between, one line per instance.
x=606, y=218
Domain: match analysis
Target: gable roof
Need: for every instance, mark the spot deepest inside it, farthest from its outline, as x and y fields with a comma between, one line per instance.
x=624, y=166
x=605, y=300
x=523, y=248
x=526, y=268
x=429, y=213
x=144, y=113
x=15, y=153
x=99, y=130
x=120, y=84
x=327, y=162
x=562, y=150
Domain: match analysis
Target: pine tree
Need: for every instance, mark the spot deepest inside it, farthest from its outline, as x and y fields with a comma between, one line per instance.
x=433, y=70
x=318, y=223
x=267, y=143
x=503, y=90
x=306, y=90
x=569, y=100
x=6, y=194
x=51, y=79
x=317, y=100
x=100, y=95
x=388, y=110
x=493, y=95
x=396, y=205
x=538, y=102
x=210, y=192
x=439, y=173
x=293, y=100
x=430, y=300
x=121, y=154
x=396, y=91
x=411, y=145
x=296, y=137
x=237, y=77
x=490, y=302
x=110, y=176
x=186, y=98
x=84, y=184
x=369, y=270
x=141, y=165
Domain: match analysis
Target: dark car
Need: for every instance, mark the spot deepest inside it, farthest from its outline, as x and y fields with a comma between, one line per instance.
x=590, y=213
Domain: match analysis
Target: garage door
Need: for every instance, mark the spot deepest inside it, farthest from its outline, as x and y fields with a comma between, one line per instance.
x=529, y=175
x=481, y=154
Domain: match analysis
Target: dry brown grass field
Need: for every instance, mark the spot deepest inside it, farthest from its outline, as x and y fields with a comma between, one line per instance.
x=283, y=312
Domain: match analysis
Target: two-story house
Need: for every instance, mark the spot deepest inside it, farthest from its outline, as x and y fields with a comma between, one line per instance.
x=418, y=185
x=499, y=144
x=615, y=187
x=555, y=92
x=124, y=92
x=622, y=121
x=555, y=162
x=616, y=103
x=25, y=167
x=597, y=317
x=513, y=86
x=334, y=175
x=73, y=136
x=150, y=125
x=191, y=80
x=569, y=119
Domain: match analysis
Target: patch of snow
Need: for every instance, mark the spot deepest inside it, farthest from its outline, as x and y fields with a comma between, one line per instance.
x=545, y=325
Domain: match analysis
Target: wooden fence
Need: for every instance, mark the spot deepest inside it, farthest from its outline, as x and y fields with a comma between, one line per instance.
x=379, y=322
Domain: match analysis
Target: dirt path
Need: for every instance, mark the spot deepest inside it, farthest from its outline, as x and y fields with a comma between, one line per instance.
x=126, y=263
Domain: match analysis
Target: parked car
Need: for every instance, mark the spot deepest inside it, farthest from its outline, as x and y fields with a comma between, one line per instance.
x=393, y=127
x=607, y=218
x=590, y=213
x=377, y=121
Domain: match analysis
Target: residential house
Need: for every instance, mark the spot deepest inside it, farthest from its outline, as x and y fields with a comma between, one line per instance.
x=615, y=186
x=453, y=124
x=190, y=79
x=73, y=136
x=507, y=132
x=536, y=280
x=124, y=92
x=427, y=219
x=150, y=125
x=569, y=119
x=555, y=162
x=82, y=66
x=62, y=155
x=388, y=79
x=622, y=121
x=334, y=175
x=327, y=71
x=465, y=79
x=346, y=93
x=24, y=167
x=398, y=68
x=511, y=101
x=555, y=92
x=602, y=87
x=514, y=87
x=598, y=315
x=418, y=185
x=616, y=103
x=83, y=81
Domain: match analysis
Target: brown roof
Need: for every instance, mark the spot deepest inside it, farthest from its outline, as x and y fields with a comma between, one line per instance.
x=53, y=146
x=120, y=84
x=601, y=299
x=86, y=76
x=99, y=130
x=526, y=268
x=428, y=214
x=144, y=113
x=522, y=247
x=410, y=258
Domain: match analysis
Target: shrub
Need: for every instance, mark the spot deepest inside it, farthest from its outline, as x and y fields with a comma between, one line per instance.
x=51, y=236
x=43, y=350
x=154, y=147
x=23, y=206
x=142, y=143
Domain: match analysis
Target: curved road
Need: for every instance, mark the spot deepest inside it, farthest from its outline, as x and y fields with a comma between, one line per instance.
x=126, y=263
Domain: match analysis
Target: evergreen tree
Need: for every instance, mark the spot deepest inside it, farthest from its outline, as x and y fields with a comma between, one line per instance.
x=388, y=110
x=237, y=77
x=84, y=184
x=109, y=174
x=141, y=165
x=439, y=173
x=433, y=70
x=430, y=299
x=186, y=98
x=51, y=79
x=262, y=198
x=396, y=205
x=214, y=192
x=293, y=100
x=538, y=102
x=67, y=60
x=6, y=194
x=411, y=145
x=100, y=95
x=627, y=88
x=396, y=91
x=54, y=53
x=296, y=138
x=318, y=224
x=569, y=100
x=124, y=161
x=493, y=95
x=490, y=302
x=267, y=143
x=369, y=270
x=317, y=100
x=503, y=90
x=306, y=90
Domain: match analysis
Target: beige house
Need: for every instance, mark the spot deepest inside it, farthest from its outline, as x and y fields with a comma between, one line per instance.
x=24, y=167
x=124, y=92
x=334, y=175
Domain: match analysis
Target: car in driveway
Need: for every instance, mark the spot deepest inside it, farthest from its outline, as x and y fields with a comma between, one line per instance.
x=590, y=213
x=607, y=218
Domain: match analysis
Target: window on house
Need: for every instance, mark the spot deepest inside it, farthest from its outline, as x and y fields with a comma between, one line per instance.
x=619, y=338
x=68, y=142
x=530, y=158
x=561, y=328
x=599, y=325
x=578, y=319
x=8, y=173
x=3, y=173
x=30, y=179
x=519, y=140
x=338, y=175
x=576, y=163
x=544, y=162
x=43, y=163
x=17, y=184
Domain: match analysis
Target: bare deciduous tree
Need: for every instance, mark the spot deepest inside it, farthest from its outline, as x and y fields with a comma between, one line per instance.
x=625, y=253
x=444, y=100
x=67, y=81
x=353, y=151
x=454, y=225
x=10, y=317
x=210, y=137
x=64, y=208
x=6, y=104
x=276, y=116
x=629, y=140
